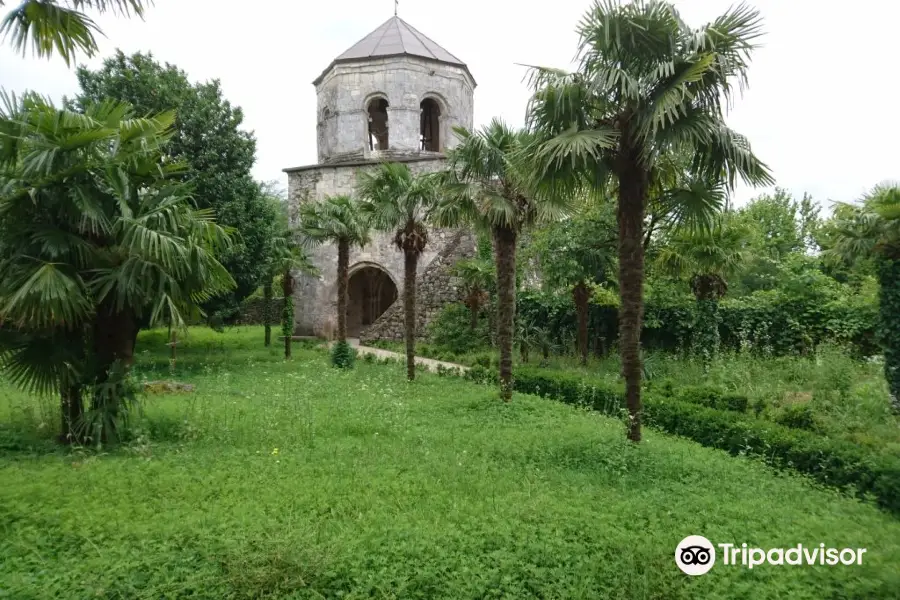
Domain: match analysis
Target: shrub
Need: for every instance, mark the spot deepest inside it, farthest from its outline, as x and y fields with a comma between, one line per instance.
x=713, y=398
x=451, y=330
x=797, y=416
x=343, y=355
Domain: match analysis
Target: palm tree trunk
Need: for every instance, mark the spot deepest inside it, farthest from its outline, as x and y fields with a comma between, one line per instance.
x=287, y=311
x=342, y=269
x=581, y=295
x=267, y=309
x=410, y=262
x=630, y=215
x=113, y=336
x=474, y=307
x=505, y=244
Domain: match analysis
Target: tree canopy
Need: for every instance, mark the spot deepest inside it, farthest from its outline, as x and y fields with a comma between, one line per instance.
x=217, y=153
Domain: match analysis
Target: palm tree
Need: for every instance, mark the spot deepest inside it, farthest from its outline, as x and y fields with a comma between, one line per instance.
x=871, y=229
x=577, y=253
x=488, y=185
x=707, y=258
x=94, y=242
x=477, y=277
x=336, y=219
x=287, y=256
x=396, y=200
x=647, y=87
x=62, y=27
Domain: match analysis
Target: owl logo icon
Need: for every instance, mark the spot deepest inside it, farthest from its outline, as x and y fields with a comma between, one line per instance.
x=695, y=555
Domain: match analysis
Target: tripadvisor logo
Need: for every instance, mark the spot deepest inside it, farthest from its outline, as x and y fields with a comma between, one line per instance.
x=696, y=555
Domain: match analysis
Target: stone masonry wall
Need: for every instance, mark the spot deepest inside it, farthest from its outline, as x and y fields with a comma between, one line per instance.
x=436, y=288
x=344, y=92
x=316, y=297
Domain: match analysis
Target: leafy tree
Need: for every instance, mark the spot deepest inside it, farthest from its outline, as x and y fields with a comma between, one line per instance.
x=336, y=219
x=477, y=277
x=706, y=258
x=575, y=254
x=219, y=156
x=487, y=185
x=396, y=200
x=94, y=239
x=872, y=229
x=779, y=225
x=648, y=87
x=273, y=267
x=62, y=26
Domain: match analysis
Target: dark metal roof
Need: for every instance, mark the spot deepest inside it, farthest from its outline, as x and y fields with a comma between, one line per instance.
x=396, y=37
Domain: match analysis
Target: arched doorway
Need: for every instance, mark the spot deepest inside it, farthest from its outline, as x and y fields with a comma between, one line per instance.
x=371, y=291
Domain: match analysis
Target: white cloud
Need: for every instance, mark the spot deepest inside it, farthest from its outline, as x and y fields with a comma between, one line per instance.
x=820, y=108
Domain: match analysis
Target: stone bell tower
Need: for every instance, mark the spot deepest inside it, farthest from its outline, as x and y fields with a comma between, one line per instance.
x=396, y=96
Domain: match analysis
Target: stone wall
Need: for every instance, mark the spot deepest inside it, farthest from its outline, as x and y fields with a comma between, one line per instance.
x=345, y=90
x=316, y=297
x=436, y=288
x=252, y=311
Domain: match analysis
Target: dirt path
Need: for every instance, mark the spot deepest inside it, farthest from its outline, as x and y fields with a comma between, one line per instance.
x=428, y=363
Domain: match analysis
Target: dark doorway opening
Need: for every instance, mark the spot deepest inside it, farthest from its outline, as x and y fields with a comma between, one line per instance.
x=371, y=292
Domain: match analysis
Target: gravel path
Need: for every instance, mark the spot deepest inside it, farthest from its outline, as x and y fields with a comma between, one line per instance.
x=428, y=363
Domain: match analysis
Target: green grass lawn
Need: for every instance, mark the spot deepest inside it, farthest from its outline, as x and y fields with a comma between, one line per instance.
x=296, y=480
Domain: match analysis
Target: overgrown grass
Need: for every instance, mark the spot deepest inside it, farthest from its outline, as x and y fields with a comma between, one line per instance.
x=843, y=396
x=297, y=480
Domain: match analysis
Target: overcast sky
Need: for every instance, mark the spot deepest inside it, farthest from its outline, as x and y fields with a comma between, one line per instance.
x=821, y=109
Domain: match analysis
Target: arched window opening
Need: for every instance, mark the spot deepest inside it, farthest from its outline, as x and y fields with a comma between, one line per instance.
x=429, y=129
x=378, y=124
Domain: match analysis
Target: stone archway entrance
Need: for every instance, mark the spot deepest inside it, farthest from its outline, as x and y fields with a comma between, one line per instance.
x=371, y=291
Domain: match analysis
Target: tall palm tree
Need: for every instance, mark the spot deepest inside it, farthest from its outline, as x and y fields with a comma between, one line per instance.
x=396, y=200
x=488, y=185
x=871, y=229
x=337, y=219
x=706, y=258
x=94, y=242
x=647, y=86
x=62, y=27
x=477, y=277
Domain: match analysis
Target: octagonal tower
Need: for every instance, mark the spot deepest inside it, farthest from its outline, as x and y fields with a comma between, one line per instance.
x=395, y=95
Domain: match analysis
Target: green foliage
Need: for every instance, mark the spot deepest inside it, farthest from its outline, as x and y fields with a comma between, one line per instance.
x=778, y=224
x=814, y=311
x=335, y=219
x=833, y=462
x=706, y=333
x=450, y=329
x=287, y=316
x=95, y=240
x=217, y=152
x=578, y=249
x=797, y=416
x=457, y=496
x=61, y=27
x=889, y=323
x=343, y=355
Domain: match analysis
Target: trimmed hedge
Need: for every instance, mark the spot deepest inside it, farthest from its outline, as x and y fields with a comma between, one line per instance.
x=832, y=462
